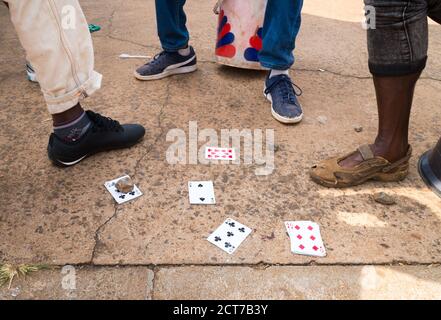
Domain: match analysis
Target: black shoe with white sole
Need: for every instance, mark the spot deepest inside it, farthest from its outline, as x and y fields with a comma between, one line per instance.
x=166, y=64
x=104, y=134
x=285, y=107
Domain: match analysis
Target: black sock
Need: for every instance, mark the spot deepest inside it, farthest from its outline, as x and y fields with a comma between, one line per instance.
x=74, y=130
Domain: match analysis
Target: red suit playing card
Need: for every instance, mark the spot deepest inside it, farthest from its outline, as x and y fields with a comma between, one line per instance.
x=305, y=238
x=214, y=153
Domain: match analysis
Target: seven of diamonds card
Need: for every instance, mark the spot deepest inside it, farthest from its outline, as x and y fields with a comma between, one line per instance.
x=214, y=153
x=305, y=238
x=201, y=192
x=229, y=235
x=121, y=197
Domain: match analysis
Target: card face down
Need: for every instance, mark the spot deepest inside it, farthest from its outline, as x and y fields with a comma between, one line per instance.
x=305, y=238
x=201, y=192
x=215, y=153
x=121, y=197
x=229, y=235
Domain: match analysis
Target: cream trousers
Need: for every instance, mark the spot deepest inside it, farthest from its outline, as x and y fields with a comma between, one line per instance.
x=57, y=41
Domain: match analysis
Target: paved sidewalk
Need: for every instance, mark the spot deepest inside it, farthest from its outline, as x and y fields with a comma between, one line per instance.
x=155, y=247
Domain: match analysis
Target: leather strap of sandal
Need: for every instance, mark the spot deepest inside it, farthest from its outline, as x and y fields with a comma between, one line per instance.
x=366, y=152
x=399, y=162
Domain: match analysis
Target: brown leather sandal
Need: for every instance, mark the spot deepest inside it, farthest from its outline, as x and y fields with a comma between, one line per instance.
x=330, y=174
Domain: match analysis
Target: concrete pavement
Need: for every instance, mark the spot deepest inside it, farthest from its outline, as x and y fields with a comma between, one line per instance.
x=155, y=247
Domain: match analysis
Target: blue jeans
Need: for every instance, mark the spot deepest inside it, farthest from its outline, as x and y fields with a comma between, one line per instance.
x=280, y=29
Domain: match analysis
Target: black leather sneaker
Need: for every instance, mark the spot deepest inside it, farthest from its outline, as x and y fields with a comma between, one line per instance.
x=166, y=64
x=104, y=134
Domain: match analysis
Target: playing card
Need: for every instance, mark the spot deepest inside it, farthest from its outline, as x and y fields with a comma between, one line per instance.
x=229, y=235
x=214, y=153
x=119, y=196
x=305, y=238
x=201, y=192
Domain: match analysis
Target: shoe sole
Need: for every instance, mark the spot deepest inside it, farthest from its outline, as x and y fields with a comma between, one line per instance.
x=278, y=117
x=69, y=164
x=397, y=176
x=63, y=164
x=176, y=69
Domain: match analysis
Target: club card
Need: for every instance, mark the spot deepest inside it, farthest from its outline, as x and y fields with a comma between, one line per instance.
x=214, y=153
x=201, y=192
x=121, y=197
x=305, y=238
x=229, y=235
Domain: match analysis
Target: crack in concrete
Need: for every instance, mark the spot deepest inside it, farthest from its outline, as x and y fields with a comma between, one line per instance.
x=155, y=271
x=151, y=146
x=136, y=168
x=335, y=73
x=98, y=232
x=112, y=16
x=109, y=32
x=294, y=68
x=133, y=42
x=430, y=78
x=110, y=36
x=259, y=265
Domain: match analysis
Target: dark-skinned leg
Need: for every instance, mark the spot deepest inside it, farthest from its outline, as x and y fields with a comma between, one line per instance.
x=394, y=99
x=67, y=116
x=397, y=46
x=403, y=26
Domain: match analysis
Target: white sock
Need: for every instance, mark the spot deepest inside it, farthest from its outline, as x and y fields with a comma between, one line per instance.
x=184, y=52
x=275, y=72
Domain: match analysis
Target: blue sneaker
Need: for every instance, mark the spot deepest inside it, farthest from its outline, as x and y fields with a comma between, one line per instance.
x=166, y=64
x=284, y=104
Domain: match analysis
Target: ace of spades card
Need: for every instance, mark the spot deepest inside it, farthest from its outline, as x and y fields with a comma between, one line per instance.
x=201, y=192
x=229, y=235
x=121, y=197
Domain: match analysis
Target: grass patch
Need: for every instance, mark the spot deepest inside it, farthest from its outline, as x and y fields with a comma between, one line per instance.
x=8, y=272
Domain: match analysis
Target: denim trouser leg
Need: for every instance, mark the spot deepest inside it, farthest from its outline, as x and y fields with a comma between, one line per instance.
x=171, y=20
x=280, y=29
x=398, y=43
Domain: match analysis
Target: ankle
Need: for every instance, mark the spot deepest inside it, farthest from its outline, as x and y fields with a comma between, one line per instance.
x=184, y=51
x=67, y=116
x=73, y=130
x=275, y=72
x=391, y=151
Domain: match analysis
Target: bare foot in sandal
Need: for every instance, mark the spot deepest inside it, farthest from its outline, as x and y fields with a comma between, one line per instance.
x=388, y=158
x=388, y=153
x=331, y=173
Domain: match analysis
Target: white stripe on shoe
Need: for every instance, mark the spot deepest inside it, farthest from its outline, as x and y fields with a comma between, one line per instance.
x=67, y=164
x=170, y=70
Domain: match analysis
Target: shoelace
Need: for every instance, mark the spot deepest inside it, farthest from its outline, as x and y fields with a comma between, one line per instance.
x=156, y=58
x=103, y=123
x=287, y=87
